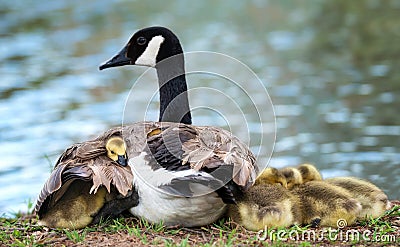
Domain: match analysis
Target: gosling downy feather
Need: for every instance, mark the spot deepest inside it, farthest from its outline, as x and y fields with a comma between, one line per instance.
x=76, y=208
x=187, y=174
x=309, y=173
x=373, y=200
x=293, y=177
x=271, y=175
x=267, y=204
x=116, y=150
x=324, y=201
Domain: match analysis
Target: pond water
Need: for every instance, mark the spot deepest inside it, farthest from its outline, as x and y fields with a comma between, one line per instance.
x=330, y=68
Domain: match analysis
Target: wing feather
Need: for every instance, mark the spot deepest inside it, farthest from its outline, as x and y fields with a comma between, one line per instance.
x=180, y=146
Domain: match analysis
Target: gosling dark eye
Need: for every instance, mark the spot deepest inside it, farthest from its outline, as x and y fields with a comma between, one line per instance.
x=141, y=41
x=112, y=152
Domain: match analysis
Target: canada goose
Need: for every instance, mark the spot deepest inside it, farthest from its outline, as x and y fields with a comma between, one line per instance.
x=293, y=177
x=309, y=173
x=326, y=202
x=373, y=200
x=187, y=174
x=76, y=189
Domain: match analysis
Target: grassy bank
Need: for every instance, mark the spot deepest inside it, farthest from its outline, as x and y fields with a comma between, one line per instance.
x=23, y=231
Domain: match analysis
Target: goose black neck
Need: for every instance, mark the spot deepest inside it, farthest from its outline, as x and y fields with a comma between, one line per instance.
x=174, y=103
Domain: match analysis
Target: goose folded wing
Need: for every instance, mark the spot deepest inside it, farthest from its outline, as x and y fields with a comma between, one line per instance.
x=91, y=149
x=107, y=172
x=212, y=150
x=188, y=186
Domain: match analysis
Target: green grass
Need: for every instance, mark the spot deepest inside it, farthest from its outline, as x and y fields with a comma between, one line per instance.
x=23, y=231
x=382, y=221
x=75, y=235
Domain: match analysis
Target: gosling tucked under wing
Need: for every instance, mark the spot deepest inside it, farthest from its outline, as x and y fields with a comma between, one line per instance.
x=184, y=164
x=75, y=190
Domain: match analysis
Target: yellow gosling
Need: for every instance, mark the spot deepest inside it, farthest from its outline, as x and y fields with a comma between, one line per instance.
x=266, y=205
x=327, y=202
x=309, y=173
x=293, y=177
x=271, y=175
x=373, y=200
x=76, y=208
x=116, y=150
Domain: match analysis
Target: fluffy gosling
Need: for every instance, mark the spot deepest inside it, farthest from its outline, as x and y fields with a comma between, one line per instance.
x=266, y=205
x=327, y=202
x=293, y=177
x=271, y=175
x=309, y=173
x=373, y=200
x=116, y=150
x=76, y=208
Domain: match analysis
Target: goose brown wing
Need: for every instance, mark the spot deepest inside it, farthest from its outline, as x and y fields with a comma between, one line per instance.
x=180, y=147
x=214, y=147
x=107, y=172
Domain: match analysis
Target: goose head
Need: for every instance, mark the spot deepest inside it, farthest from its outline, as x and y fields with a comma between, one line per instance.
x=146, y=47
x=116, y=150
x=160, y=48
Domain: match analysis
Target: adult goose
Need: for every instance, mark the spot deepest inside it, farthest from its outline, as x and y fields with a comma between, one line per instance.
x=182, y=174
x=188, y=173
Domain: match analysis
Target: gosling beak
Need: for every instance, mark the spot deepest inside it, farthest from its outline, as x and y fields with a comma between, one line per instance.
x=120, y=59
x=122, y=160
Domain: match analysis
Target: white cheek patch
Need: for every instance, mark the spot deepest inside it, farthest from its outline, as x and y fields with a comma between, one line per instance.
x=148, y=57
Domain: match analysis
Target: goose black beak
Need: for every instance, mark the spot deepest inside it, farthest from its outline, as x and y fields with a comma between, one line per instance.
x=122, y=160
x=120, y=59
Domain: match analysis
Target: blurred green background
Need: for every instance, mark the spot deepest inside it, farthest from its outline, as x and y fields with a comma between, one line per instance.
x=331, y=69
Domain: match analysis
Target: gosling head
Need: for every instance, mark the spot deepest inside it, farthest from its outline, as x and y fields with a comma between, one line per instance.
x=116, y=150
x=309, y=173
x=271, y=175
x=293, y=177
x=147, y=47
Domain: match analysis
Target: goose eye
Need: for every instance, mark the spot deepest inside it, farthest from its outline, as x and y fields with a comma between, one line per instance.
x=141, y=41
x=112, y=152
